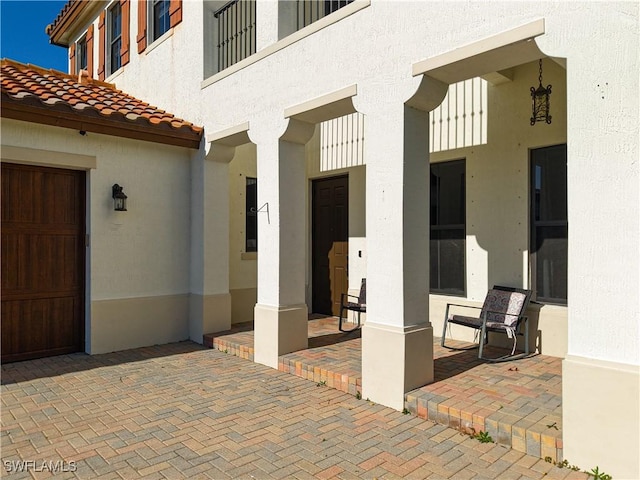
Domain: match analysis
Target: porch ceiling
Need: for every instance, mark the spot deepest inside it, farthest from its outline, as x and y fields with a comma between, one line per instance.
x=485, y=57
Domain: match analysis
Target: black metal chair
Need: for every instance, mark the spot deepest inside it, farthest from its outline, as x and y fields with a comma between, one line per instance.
x=503, y=311
x=359, y=307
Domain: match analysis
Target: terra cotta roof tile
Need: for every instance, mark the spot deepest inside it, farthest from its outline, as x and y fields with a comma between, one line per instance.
x=88, y=102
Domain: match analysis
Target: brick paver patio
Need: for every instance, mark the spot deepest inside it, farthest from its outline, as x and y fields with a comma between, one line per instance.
x=517, y=403
x=183, y=411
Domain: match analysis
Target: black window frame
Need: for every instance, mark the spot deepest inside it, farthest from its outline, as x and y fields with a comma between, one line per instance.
x=114, y=39
x=437, y=228
x=559, y=225
x=251, y=215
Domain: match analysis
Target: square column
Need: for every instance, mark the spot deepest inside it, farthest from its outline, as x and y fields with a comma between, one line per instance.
x=210, y=300
x=280, y=316
x=397, y=339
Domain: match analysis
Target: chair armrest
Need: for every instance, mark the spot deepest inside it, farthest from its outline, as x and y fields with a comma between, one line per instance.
x=464, y=306
x=343, y=295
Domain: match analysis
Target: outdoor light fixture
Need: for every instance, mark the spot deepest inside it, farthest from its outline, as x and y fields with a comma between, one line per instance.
x=119, y=198
x=540, y=101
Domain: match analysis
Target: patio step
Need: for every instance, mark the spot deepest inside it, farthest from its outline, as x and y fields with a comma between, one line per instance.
x=517, y=403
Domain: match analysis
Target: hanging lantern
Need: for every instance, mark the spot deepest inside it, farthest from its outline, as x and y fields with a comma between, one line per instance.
x=540, y=101
x=119, y=198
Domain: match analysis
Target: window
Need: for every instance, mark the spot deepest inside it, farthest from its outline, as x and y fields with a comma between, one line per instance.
x=251, y=217
x=448, y=223
x=308, y=11
x=114, y=38
x=155, y=18
x=81, y=54
x=235, y=32
x=549, y=226
x=159, y=21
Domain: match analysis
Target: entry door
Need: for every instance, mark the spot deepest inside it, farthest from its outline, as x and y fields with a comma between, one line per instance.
x=43, y=250
x=330, y=243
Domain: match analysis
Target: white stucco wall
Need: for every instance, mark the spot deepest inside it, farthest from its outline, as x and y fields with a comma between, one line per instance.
x=178, y=60
x=142, y=253
x=602, y=117
x=586, y=34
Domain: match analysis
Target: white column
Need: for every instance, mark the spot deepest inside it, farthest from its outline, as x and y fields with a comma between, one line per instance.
x=397, y=339
x=210, y=301
x=280, y=315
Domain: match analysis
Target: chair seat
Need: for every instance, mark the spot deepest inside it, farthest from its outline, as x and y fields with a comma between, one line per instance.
x=357, y=307
x=475, y=322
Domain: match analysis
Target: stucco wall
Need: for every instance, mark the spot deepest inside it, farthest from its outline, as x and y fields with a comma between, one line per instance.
x=242, y=265
x=586, y=34
x=139, y=257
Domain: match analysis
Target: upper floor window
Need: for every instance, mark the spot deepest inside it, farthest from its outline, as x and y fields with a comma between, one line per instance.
x=114, y=38
x=448, y=224
x=549, y=225
x=159, y=21
x=309, y=11
x=155, y=18
x=81, y=54
x=234, y=32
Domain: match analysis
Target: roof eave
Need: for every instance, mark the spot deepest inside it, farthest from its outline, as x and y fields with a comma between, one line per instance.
x=62, y=31
x=46, y=116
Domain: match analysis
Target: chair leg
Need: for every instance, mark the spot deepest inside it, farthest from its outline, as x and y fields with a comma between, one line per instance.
x=526, y=336
x=347, y=330
x=444, y=331
x=482, y=342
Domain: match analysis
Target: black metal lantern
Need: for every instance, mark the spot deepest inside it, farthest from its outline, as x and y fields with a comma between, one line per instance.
x=540, y=101
x=119, y=198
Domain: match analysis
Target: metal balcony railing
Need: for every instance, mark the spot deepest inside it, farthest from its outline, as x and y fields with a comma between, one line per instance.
x=236, y=28
x=311, y=10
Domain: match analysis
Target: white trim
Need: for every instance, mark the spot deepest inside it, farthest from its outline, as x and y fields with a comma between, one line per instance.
x=47, y=158
x=322, y=101
x=289, y=40
x=158, y=41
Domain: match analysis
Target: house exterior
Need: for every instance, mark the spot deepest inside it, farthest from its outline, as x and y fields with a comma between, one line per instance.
x=403, y=128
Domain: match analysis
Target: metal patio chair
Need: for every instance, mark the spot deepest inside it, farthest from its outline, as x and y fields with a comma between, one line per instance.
x=503, y=311
x=360, y=306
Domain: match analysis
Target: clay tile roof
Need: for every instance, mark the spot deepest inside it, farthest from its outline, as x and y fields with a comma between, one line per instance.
x=51, y=97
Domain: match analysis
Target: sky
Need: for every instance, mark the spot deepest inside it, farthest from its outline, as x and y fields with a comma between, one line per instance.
x=22, y=33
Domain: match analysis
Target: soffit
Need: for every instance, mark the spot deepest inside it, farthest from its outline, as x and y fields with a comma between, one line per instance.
x=74, y=17
x=485, y=57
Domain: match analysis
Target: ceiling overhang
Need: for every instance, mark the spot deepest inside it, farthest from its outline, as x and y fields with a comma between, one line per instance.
x=490, y=58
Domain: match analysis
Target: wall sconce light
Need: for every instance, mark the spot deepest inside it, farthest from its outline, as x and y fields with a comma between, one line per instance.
x=119, y=198
x=540, y=101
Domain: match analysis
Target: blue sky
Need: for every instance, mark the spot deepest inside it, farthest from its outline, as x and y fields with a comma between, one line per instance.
x=22, y=33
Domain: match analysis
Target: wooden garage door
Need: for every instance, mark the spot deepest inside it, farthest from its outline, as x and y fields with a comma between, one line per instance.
x=43, y=250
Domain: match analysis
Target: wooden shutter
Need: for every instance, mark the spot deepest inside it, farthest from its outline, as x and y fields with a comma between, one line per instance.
x=142, y=25
x=124, y=49
x=72, y=59
x=90, y=50
x=175, y=12
x=101, y=46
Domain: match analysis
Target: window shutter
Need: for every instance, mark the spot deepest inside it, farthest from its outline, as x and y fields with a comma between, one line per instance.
x=175, y=12
x=90, y=50
x=142, y=25
x=124, y=49
x=101, y=46
x=72, y=59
